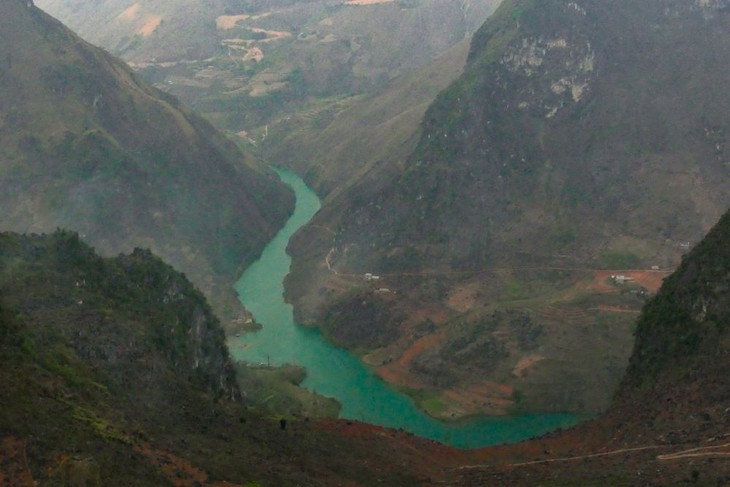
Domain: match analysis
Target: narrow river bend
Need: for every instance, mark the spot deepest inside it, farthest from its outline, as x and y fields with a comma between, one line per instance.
x=335, y=372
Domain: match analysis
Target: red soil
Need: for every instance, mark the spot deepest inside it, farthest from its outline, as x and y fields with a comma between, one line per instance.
x=486, y=397
x=524, y=364
x=178, y=471
x=398, y=372
x=650, y=280
x=427, y=457
x=13, y=463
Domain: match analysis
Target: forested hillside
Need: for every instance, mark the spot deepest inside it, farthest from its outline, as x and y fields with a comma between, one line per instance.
x=88, y=146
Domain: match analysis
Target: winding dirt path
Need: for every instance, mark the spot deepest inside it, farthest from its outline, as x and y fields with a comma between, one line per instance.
x=703, y=451
x=563, y=459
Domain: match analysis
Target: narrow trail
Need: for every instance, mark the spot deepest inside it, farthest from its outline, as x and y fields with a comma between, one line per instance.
x=704, y=451
x=566, y=459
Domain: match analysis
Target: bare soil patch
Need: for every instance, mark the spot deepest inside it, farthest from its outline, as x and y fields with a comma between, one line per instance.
x=228, y=22
x=487, y=397
x=150, y=25
x=271, y=35
x=463, y=298
x=13, y=463
x=648, y=279
x=524, y=364
x=398, y=372
x=254, y=54
x=130, y=13
x=179, y=471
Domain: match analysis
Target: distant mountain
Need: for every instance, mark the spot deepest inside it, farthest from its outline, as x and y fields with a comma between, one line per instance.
x=584, y=140
x=185, y=29
x=246, y=64
x=337, y=150
x=87, y=146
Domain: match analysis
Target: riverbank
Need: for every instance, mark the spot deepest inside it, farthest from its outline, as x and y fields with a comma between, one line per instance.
x=335, y=372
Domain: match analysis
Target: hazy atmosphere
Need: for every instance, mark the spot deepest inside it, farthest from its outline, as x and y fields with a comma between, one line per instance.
x=364, y=242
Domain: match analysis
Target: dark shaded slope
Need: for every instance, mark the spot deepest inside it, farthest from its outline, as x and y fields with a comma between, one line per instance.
x=114, y=372
x=94, y=351
x=679, y=368
x=87, y=146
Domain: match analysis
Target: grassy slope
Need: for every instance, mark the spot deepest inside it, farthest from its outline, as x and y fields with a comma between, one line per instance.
x=568, y=146
x=88, y=146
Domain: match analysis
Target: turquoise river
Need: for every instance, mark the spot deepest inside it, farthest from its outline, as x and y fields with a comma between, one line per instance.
x=335, y=372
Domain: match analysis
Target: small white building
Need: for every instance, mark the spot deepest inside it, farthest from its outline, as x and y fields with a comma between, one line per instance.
x=621, y=279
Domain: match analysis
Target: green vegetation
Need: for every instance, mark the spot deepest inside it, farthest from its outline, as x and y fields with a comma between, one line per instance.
x=89, y=147
x=687, y=322
x=613, y=259
x=361, y=319
x=308, y=53
x=109, y=359
x=433, y=406
x=275, y=391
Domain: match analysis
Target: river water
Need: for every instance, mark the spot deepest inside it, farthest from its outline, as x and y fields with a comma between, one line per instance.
x=334, y=372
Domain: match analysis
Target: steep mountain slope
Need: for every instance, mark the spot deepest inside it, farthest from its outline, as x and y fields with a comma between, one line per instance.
x=144, y=30
x=584, y=140
x=87, y=146
x=115, y=372
x=680, y=359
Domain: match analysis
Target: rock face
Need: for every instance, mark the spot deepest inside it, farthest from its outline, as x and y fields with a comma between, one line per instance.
x=582, y=136
x=567, y=119
x=87, y=146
